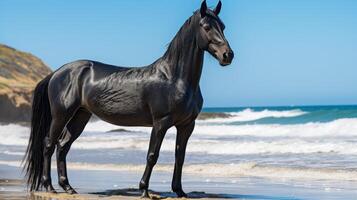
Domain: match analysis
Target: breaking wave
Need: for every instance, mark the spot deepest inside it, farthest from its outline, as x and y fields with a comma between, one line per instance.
x=338, y=136
x=250, y=115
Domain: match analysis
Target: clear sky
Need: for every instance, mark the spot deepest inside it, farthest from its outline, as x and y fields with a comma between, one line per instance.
x=301, y=52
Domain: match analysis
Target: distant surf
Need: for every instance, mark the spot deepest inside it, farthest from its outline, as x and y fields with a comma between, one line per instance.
x=249, y=114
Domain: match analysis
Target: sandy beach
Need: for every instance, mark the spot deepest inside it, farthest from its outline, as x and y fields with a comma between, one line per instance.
x=119, y=194
x=101, y=184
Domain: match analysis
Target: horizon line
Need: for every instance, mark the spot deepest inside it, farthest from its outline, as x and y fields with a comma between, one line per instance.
x=271, y=106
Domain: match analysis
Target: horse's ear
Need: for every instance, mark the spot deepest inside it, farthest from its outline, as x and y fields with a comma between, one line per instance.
x=217, y=10
x=203, y=8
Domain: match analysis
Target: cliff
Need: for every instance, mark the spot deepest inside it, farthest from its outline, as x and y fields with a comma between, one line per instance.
x=19, y=74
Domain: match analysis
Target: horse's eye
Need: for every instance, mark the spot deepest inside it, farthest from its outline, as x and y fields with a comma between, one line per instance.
x=207, y=27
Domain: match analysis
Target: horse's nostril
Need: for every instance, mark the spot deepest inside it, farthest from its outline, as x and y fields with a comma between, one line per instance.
x=225, y=55
x=228, y=55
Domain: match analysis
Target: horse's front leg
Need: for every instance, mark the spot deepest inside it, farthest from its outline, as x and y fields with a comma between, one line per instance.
x=183, y=134
x=157, y=135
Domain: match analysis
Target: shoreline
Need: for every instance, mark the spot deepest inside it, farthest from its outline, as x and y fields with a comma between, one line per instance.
x=120, y=194
x=112, y=194
x=92, y=184
x=239, y=170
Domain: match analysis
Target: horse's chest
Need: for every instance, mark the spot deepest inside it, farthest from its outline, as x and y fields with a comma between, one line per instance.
x=187, y=105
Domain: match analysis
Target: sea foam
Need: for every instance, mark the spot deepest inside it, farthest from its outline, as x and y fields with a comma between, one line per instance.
x=331, y=137
x=249, y=169
x=250, y=115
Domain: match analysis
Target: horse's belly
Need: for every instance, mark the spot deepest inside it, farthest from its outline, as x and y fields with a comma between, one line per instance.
x=121, y=111
x=127, y=119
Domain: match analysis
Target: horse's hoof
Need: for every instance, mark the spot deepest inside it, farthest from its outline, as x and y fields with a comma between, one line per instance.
x=50, y=189
x=181, y=194
x=71, y=191
x=145, y=194
x=68, y=188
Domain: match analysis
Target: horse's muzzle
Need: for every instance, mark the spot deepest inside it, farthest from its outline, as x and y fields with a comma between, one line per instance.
x=227, y=58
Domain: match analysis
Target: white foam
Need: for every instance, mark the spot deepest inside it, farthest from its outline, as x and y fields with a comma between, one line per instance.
x=272, y=139
x=110, y=142
x=249, y=115
x=338, y=128
x=285, y=146
x=101, y=126
x=281, y=146
x=249, y=169
x=16, y=153
x=337, y=137
x=13, y=134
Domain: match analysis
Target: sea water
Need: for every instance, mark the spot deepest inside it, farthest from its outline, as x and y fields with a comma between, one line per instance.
x=309, y=143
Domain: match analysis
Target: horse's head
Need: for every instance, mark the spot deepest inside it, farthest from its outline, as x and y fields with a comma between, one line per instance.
x=210, y=36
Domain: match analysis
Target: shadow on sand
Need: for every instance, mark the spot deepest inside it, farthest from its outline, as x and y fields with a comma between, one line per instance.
x=14, y=190
x=132, y=192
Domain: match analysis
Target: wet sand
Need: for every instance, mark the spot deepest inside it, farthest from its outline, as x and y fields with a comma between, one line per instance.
x=94, y=184
x=13, y=190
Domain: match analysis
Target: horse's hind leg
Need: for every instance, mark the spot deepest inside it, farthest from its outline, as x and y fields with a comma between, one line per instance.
x=57, y=125
x=70, y=133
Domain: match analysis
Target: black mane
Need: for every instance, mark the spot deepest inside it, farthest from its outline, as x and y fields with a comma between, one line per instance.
x=181, y=38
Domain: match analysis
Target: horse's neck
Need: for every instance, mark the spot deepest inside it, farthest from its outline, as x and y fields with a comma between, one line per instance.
x=188, y=65
x=185, y=59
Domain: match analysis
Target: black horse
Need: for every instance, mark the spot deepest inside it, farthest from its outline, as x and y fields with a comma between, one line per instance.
x=161, y=95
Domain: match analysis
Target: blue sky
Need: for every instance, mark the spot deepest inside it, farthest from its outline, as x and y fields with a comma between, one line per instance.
x=301, y=52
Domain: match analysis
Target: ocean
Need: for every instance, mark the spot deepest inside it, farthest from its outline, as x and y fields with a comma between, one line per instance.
x=314, y=143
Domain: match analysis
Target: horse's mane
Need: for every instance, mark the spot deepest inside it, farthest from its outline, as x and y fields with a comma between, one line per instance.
x=178, y=42
x=187, y=29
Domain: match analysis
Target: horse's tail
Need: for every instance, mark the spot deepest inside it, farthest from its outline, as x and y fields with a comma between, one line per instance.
x=40, y=124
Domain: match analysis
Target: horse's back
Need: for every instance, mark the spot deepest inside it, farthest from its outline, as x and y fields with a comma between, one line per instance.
x=76, y=72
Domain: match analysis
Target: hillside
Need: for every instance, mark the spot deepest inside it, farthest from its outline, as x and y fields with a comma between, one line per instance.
x=19, y=74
